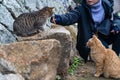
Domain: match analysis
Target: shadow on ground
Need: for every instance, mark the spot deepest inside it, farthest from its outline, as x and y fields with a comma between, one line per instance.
x=85, y=71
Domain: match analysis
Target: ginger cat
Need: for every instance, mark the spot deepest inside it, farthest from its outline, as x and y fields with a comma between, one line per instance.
x=106, y=60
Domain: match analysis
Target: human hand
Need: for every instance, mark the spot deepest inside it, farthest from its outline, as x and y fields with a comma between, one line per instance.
x=115, y=29
x=55, y=19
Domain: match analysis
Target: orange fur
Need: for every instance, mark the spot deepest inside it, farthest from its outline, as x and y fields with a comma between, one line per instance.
x=106, y=60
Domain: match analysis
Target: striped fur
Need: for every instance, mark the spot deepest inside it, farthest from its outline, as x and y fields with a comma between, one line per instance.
x=28, y=24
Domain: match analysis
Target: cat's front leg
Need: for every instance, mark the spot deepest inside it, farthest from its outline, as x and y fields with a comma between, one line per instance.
x=99, y=69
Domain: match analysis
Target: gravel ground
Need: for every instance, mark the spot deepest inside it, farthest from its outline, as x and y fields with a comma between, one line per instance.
x=85, y=71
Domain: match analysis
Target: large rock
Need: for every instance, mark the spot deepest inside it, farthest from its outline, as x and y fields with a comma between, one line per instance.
x=11, y=77
x=6, y=18
x=5, y=35
x=34, y=60
x=62, y=35
x=14, y=7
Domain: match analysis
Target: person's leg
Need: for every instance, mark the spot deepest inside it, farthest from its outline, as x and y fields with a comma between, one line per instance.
x=116, y=44
x=113, y=39
x=103, y=39
x=104, y=42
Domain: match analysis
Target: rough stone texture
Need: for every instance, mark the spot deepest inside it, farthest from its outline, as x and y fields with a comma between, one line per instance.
x=66, y=43
x=34, y=60
x=0, y=0
x=10, y=10
x=13, y=7
x=11, y=77
x=5, y=35
x=62, y=35
x=31, y=4
x=5, y=17
x=116, y=5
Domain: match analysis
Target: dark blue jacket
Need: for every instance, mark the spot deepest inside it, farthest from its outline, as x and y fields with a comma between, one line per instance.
x=83, y=17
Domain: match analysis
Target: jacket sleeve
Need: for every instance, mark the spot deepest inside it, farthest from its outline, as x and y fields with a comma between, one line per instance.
x=112, y=2
x=70, y=18
x=116, y=21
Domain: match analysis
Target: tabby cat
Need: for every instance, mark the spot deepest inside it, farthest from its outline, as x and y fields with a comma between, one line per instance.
x=28, y=24
x=106, y=60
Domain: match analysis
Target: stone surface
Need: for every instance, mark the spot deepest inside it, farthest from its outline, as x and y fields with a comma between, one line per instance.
x=34, y=60
x=13, y=7
x=63, y=36
x=0, y=0
x=66, y=43
x=6, y=18
x=116, y=5
x=5, y=35
x=11, y=77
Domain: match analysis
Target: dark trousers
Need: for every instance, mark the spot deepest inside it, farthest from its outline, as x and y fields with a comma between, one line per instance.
x=113, y=39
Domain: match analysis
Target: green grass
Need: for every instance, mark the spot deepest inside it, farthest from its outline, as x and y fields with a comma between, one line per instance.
x=58, y=77
x=73, y=67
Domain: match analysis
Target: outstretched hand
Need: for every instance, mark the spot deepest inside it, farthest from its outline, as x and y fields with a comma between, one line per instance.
x=56, y=19
x=53, y=19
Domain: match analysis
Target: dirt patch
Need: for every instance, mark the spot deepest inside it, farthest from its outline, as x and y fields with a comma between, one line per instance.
x=85, y=71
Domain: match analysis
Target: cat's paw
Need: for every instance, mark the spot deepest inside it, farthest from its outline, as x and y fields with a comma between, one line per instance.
x=96, y=75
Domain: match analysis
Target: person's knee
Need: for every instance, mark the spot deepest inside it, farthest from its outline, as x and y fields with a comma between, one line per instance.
x=104, y=43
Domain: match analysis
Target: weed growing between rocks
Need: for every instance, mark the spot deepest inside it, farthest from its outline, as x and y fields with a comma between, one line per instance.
x=73, y=67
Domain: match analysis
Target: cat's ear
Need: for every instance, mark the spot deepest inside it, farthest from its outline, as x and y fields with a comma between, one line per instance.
x=52, y=7
x=94, y=36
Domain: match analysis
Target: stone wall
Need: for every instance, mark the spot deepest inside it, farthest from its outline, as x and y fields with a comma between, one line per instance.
x=116, y=5
x=10, y=9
